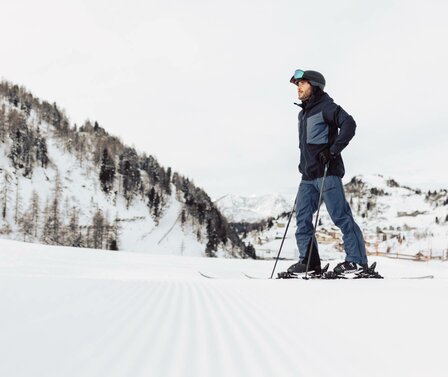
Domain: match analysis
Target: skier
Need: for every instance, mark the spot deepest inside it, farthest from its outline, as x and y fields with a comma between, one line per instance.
x=325, y=129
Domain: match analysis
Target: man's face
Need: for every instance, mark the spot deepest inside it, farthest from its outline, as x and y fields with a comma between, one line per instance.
x=304, y=89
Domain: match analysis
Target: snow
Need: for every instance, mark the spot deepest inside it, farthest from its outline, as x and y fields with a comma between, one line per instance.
x=253, y=208
x=402, y=213
x=80, y=312
x=81, y=190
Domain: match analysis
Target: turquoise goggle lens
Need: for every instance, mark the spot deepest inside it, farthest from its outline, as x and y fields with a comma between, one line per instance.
x=298, y=74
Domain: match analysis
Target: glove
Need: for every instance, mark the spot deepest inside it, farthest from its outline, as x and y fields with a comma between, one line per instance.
x=325, y=156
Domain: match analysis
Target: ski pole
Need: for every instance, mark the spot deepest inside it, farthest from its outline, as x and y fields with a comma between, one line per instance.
x=286, y=231
x=313, y=239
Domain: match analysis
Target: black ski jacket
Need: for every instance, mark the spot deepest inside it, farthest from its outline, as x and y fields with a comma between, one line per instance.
x=323, y=124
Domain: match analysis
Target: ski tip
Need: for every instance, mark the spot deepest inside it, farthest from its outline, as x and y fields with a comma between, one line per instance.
x=250, y=276
x=206, y=275
x=418, y=277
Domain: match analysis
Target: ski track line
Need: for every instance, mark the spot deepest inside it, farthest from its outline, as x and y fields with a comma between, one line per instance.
x=101, y=350
x=178, y=327
x=250, y=346
x=159, y=332
x=101, y=354
x=280, y=352
x=217, y=336
x=205, y=339
x=313, y=365
x=142, y=345
x=274, y=346
x=187, y=351
x=152, y=327
x=202, y=322
x=286, y=343
x=187, y=318
x=194, y=336
x=225, y=353
x=125, y=338
x=191, y=348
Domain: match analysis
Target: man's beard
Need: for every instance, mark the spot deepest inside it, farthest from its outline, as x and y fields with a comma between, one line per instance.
x=305, y=98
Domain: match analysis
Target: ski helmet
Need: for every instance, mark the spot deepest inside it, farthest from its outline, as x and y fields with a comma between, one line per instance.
x=315, y=78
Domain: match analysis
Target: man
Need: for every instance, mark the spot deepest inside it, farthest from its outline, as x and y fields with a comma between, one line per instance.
x=325, y=129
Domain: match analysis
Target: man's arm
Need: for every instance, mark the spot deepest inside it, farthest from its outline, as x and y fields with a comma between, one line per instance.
x=338, y=117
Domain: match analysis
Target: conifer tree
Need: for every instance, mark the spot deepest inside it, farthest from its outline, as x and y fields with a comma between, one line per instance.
x=41, y=150
x=107, y=172
x=167, y=181
x=156, y=207
x=212, y=243
x=129, y=169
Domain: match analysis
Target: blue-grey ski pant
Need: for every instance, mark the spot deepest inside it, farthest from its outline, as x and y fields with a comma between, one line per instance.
x=339, y=211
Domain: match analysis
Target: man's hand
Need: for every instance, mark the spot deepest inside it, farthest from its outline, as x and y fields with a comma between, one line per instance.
x=325, y=156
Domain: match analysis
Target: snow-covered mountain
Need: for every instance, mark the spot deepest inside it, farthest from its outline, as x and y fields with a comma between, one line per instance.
x=253, y=208
x=396, y=221
x=79, y=186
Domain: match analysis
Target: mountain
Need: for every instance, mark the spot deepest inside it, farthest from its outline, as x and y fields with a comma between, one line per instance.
x=66, y=185
x=396, y=221
x=253, y=208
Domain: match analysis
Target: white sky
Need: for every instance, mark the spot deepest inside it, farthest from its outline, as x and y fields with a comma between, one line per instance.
x=204, y=85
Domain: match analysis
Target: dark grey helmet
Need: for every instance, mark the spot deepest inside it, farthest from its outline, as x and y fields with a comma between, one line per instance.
x=315, y=78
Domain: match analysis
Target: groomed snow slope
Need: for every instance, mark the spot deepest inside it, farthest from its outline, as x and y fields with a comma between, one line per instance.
x=78, y=312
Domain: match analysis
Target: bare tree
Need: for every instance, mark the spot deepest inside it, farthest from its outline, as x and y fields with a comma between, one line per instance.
x=35, y=211
x=98, y=225
x=5, y=193
x=18, y=203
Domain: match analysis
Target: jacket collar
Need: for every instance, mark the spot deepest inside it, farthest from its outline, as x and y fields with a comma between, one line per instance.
x=314, y=100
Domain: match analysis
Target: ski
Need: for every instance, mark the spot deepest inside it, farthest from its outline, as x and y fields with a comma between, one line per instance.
x=324, y=274
x=207, y=275
x=418, y=277
x=368, y=273
x=312, y=274
x=248, y=276
x=336, y=277
x=252, y=277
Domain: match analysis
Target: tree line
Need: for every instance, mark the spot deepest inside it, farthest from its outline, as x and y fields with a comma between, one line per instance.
x=120, y=170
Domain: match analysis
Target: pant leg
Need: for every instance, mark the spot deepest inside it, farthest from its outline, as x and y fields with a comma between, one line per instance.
x=341, y=214
x=306, y=206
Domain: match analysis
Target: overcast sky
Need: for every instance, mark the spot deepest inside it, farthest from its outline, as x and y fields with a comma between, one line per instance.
x=204, y=86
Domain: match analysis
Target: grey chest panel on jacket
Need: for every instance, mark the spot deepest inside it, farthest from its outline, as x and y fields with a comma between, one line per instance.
x=316, y=129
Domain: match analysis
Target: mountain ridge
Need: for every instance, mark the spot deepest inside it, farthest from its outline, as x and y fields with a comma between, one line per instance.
x=61, y=184
x=394, y=218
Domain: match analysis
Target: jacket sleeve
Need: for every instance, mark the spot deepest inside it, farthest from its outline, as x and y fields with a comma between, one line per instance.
x=338, y=117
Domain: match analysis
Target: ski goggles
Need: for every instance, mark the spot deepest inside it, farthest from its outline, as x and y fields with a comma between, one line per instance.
x=298, y=74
